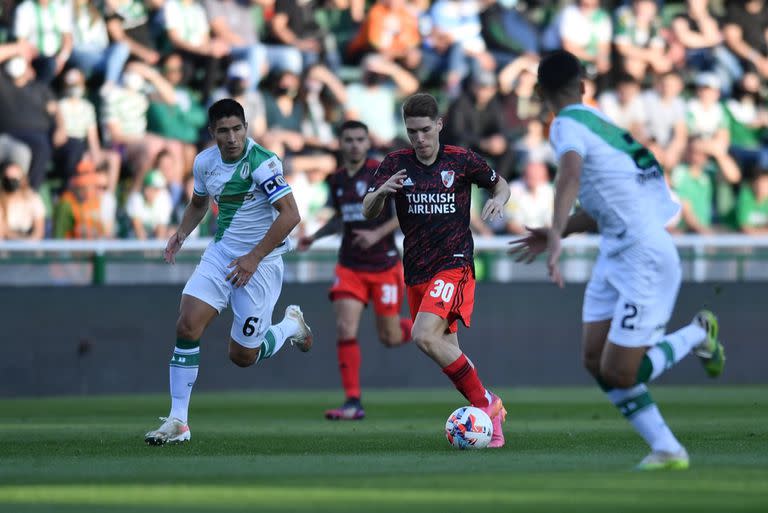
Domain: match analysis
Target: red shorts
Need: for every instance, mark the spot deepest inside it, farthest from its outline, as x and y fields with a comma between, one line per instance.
x=450, y=295
x=384, y=288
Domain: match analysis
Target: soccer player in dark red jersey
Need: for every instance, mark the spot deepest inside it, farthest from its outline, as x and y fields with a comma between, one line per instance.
x=431, y=184
x=369, y=268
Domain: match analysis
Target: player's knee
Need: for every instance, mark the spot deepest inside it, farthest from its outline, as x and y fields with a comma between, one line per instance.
x=616, y=378
x=345, y=329
x=187, y=328
x=426, y=341
x=591, y=362
x=242, y=359
x=390, y=338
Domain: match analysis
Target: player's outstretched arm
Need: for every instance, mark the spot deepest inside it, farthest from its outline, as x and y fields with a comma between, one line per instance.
x=566, y=191
x=193, y=214
x=287, y=219
x=331, y=227
x=373, y=203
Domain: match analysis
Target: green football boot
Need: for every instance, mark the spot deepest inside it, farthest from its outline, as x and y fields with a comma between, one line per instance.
x=711, y=351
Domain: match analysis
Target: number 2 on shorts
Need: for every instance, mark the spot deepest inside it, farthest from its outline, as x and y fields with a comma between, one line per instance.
x=442, y=290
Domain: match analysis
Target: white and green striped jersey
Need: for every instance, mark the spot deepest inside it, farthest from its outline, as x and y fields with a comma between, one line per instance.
x=622, y=185
x=245, y=191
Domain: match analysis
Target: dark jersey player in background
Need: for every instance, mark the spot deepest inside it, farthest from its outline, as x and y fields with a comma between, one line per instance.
x=369, y=267
x=431, y=185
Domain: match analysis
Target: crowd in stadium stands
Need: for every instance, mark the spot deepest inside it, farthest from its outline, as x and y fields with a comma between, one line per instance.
x=103, y=103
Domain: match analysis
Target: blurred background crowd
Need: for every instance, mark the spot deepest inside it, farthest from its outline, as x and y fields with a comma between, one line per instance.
x=103, y=103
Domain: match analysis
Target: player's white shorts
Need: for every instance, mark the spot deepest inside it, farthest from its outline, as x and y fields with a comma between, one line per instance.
x=636, y=289
x=251, y=304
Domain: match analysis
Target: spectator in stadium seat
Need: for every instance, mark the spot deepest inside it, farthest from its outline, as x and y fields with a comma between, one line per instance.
x=13, y=150
x=286, y=109
x=83, y=140
x=29, y=110
x=707, y=119
x=92, y=50
x=638, y=40
x=666, y=119
x=531, y=199
x=22, y=213
x=533, y=145
x=585, y=30
x=129, y=22
x=374, y=99
x=748, y=121
x=390, y=29
x=294, y=24
x=47, y=26
x=124, y=118
x=324, y=96
x=78, y=213
x=698, y=31
x=150, y=209
x=517, y=83
x=624, y=106
x=746, y=33
x=453, y=44
x=188, y=30
x=252, y=100
x=507, y=33
x=752, y=204
x=475, y=120
x=180, y=120
x=693, y=182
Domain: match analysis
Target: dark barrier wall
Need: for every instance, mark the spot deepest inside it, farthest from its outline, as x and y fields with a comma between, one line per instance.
x=119, y=339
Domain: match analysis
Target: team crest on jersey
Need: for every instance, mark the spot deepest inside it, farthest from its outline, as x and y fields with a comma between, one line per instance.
x=245, y=170
x=448, y=177
x=361, y=187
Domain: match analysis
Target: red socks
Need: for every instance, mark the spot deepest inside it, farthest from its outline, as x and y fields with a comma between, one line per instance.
x=466, y=381
x=406, y=324
x=348, y=352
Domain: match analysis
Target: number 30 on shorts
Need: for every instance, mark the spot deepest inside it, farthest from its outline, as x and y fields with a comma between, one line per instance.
x=389, y=294
x=442, y=290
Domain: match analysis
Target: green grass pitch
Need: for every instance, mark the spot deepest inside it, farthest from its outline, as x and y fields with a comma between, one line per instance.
x=567, y=450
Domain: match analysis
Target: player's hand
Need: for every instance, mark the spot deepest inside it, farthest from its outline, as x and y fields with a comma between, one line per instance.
x=244, y=267
x=173, y=247
x=493, y=209
x=394, y=183
x=365, y=238
x=304, y=243
x=554, y=248
x=530, y=246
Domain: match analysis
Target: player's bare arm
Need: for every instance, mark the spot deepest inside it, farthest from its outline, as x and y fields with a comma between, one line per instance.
x=333, y=226
x=287, y=219
x=367, y=238
x=534, y=243
x=373, y=203
x=193, y=214
x=566, y=191
x=494, y=207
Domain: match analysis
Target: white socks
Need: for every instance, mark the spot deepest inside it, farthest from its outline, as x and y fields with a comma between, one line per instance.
x=183, y=373
x=673, y=348
x=639, y=409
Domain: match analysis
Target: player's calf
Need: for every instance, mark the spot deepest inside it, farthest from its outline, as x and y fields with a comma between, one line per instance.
x=242, y=356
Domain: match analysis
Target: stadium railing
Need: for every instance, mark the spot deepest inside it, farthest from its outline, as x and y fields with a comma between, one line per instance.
x=727, y=257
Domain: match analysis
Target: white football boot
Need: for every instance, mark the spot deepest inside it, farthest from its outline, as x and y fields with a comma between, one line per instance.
x=303, y=339
x=171, y=431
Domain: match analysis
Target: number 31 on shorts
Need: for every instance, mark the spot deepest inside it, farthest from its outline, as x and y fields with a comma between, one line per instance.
x=442, y=290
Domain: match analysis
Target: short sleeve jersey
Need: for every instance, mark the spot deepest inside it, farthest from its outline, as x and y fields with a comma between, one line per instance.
x=622, y=186
x=433, y=208
x=346, y=197
x=43, y=26
x=245, y=191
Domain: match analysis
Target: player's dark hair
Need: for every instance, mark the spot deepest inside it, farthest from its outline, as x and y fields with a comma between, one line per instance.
x=223, y=109
x=352, y=124
x=558, y=71
x=420, y=105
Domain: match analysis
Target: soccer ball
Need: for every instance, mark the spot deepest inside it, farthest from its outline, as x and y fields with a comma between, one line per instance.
x=469, y=428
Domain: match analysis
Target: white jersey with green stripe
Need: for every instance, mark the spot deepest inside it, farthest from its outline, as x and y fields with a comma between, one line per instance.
x=622, y=186
x=245, y=191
